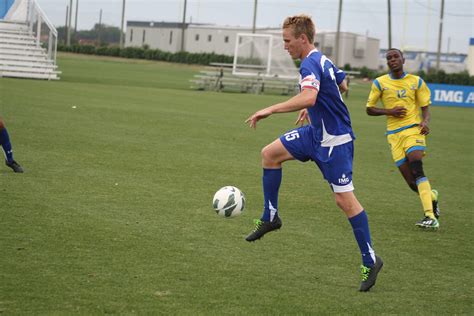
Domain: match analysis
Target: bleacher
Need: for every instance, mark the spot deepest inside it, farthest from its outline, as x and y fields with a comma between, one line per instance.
x=28, y=43
x=219, y=77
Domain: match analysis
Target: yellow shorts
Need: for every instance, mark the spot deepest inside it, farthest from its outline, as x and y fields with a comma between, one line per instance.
x=404, y=142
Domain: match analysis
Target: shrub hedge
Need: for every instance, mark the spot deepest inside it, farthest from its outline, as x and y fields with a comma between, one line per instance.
x=146, y=53
x=432, y=76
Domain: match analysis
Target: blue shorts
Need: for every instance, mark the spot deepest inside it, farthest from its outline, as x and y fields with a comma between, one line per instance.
x=335, y=162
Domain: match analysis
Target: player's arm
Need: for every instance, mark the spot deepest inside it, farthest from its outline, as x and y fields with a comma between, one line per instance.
x=341, y=80
x=423, y=99
x=373, y=110
x=426, y=116
x=343, y=86
x=398, y=111
x=306, y=98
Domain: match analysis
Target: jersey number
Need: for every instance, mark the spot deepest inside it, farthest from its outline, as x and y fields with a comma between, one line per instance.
x=292, y=135
x=401, y=93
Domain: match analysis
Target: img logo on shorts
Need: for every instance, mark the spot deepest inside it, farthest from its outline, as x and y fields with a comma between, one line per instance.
x=344, y=179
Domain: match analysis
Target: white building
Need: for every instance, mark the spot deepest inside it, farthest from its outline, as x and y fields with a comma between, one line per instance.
x=420, y=60
x=354, y=49
x=470, y=57
x=198, y=38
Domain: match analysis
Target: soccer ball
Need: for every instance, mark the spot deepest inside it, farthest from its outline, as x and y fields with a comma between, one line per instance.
x=228, y=202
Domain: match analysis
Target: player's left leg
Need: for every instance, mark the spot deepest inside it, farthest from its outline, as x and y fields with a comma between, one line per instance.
x=371, y=264
x=424, y=190
x=7, y=148
x=407, y=174
x=337, y=170
x=408, y=150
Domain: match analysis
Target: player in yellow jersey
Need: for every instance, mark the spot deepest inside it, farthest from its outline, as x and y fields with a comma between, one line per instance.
x=406, y=99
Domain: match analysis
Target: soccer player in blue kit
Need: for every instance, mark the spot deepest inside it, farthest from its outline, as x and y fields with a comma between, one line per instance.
x=327, y=140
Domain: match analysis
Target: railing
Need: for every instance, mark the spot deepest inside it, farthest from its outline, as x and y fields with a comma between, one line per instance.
x=42, y=28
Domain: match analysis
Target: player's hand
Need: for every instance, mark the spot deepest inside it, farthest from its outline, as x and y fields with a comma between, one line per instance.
x=302, y=117
x=257, y=116
x=424, y=129
x=398, y=111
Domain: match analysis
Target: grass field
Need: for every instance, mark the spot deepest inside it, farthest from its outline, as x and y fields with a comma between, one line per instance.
x=113, y=214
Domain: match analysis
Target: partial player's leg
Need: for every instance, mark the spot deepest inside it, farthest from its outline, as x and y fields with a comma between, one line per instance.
x=337, y=170
x=273, y=155
x=408, y=146
x=424, y=190
x=408, y=176
x=371, y=264
x=7, y=149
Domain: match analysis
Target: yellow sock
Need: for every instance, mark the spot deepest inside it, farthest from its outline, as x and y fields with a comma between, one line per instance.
x=424, y=191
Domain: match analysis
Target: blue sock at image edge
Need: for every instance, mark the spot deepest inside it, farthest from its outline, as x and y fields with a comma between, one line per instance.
x=6, y=145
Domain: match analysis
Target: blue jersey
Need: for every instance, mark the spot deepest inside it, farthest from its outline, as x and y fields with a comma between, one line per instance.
x=329, y=116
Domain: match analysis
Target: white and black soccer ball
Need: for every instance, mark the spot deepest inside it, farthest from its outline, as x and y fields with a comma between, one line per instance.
x=228, y=202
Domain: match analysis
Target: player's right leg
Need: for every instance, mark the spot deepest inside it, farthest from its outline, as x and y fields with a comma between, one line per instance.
x=7, y=149
x=408, y=176
x=273, y=155
x=295, y=144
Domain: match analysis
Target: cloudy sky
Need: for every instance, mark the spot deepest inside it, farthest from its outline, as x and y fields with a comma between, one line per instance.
x=415, y=23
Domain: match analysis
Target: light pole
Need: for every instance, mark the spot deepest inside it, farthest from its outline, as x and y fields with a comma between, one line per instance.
x=254, y=25
x=99, y=28
x=183, y=26
x=66, y=24
x=122, y=25
x=75, y=21
x=338, y=33
x=440, y=36
x=69, y=24
x=389, y=24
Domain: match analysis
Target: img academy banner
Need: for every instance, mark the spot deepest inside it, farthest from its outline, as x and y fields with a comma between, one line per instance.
x=451, y=95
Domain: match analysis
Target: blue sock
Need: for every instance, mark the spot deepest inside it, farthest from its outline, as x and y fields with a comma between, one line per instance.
x=6, y=145
x=271, y=184
x=360, y=226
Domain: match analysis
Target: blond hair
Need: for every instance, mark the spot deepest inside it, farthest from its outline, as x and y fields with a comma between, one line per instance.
x=301, y=24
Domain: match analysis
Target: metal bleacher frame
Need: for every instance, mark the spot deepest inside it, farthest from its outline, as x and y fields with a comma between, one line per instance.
x=218, y=77
x=28, y=43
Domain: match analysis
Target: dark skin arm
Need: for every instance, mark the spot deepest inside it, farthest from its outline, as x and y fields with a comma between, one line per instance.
x=425, y=114
x=398, y=111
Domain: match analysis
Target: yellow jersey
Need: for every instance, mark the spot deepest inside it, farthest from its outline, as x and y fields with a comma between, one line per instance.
x=409, y=91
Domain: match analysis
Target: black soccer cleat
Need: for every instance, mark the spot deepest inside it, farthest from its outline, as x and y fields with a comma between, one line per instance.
x=263, y=227
x=427, y=222
x=369, y=275
x=15, y=166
